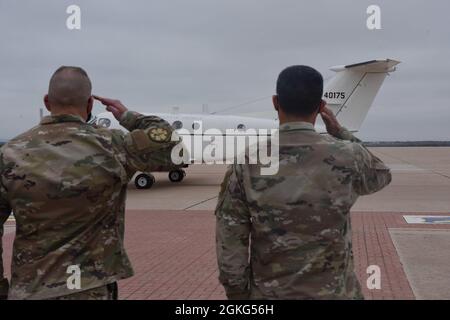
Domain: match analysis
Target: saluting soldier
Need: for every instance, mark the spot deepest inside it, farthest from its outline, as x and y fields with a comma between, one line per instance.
x=66, y=182
x=288, y=236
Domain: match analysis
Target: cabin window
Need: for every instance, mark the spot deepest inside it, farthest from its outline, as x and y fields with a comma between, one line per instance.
x=104, y=122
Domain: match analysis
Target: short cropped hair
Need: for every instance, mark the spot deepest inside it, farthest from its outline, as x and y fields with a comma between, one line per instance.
x=299, y=90
x=69, y=86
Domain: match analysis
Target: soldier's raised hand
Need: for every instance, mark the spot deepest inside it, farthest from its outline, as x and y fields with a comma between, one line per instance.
x=331, y=123
x=114, y=106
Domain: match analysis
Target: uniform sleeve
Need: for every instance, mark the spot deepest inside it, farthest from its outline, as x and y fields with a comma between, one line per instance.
x=345, y=134
x=148, y=145
x=5, y=211
x=232, y=236
x=372, y=174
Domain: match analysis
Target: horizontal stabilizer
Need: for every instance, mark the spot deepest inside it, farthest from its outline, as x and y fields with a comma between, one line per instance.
x=385, y=65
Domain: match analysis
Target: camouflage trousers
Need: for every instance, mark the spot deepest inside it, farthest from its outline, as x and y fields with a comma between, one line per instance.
x=107, y=292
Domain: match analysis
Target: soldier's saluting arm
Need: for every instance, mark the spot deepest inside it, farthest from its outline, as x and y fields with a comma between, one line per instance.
x=5, y=211
x=148, y=144
x=233, y=227
x=372, y=174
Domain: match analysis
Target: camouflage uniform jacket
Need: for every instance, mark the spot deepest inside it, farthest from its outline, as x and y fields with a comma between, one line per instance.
x=288, y=236
x=66, y=183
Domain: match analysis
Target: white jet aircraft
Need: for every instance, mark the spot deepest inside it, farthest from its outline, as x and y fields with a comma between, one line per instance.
x=349, y=94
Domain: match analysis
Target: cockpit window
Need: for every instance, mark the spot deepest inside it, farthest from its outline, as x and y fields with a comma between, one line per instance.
x=177, y=125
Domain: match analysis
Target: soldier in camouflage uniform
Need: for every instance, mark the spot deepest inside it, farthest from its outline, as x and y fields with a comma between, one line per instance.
x=288, y=236
x=4, y=284
x=66, y=182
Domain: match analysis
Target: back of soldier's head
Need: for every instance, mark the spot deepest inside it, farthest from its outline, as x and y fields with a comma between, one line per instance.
x=299, y=90
x=69, y=87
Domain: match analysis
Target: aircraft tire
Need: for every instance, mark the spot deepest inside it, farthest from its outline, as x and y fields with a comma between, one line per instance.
x=177, y=175
x=144, y=181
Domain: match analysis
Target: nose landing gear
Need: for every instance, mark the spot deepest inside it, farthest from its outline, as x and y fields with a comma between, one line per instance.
x=144, y=181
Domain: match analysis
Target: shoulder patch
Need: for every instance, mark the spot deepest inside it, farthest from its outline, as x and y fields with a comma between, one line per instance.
x=159, y=134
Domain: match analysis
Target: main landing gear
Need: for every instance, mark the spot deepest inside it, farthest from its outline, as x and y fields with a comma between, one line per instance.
x=147, y=180
x=177, y=175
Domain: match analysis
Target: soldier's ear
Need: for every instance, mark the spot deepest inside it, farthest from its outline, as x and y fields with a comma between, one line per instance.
x=276, y=103
x=47, y=103
x=322, y=105
x=90, y=105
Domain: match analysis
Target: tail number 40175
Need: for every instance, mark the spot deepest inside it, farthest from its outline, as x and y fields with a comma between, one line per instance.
x=334, y=95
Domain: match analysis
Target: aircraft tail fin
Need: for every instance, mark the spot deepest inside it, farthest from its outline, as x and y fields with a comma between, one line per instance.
x=351, y=92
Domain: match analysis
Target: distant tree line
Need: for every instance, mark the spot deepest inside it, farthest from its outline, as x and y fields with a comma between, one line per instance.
x=407, y=144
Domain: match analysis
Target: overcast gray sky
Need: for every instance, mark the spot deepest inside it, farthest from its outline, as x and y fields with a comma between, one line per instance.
x=154, y=55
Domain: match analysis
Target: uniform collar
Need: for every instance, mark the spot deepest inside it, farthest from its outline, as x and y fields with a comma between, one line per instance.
x=62, y=118
x=298, y=125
